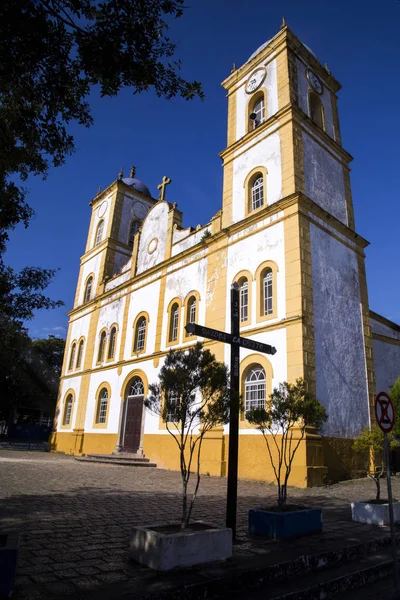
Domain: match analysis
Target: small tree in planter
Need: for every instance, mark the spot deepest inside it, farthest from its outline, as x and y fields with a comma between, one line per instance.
x=283, y=423
x=191, y=397
x=370, y=444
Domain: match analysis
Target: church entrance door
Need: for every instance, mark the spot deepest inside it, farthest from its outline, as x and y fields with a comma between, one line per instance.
x=133, y=417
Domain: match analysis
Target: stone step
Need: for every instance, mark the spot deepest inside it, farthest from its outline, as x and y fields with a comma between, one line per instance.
x=329, y=582
x=116, y=461
x=124, y=456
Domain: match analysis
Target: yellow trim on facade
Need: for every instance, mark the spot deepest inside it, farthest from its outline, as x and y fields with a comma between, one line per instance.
x=187, y=337
x=260, y=316
x=248, y=182
x=169, y=341
x=96, y=424
x=245, y=366
x=144, y=314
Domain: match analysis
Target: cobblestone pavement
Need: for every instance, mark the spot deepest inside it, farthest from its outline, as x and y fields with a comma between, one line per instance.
x=75, y=518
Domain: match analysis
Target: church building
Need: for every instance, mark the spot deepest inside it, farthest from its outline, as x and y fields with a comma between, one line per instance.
x=285, y=233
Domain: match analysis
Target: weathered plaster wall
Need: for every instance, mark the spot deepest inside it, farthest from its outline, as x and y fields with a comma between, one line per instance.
x=266, y=153
x=91, y=266
x=145, y=298
x=132, y=208
x=188, y=240
x=323, y=178
x=248, y=253
x=387, y=364
x=178, y=285
x=339, y=342
x=270, y=85
x=154, y=227
x=110, y=314
x=303, y=89
x=383, y=329
x=125, y=273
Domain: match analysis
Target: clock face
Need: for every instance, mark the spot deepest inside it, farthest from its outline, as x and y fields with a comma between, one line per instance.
x=255, y=80
x=314, y=82
x=152, y=247
x=139, y=210
x=101, y=211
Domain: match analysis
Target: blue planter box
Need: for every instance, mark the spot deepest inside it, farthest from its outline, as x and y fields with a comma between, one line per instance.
x=283, y=525
x=8, y=562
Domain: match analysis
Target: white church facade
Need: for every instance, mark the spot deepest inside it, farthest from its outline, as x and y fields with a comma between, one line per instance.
x=285, y=233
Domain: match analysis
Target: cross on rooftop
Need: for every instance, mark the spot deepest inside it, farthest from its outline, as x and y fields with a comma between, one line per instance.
x=164, y=182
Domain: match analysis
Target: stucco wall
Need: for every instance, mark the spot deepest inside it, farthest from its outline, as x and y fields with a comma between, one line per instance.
x=303, y=88
x=387, y=364
x=266, y=153
x=323, y=179
x=132, y=208
x=339, y=343
x=154, y=227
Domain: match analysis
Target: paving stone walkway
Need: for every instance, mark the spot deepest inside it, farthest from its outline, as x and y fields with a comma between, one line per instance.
x=75, y=519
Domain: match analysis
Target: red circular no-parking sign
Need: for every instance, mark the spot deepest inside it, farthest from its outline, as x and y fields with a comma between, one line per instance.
x=384, y=412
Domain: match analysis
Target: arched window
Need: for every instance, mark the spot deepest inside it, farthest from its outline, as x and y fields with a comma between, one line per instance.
x=99, y=233
x=316, y=110
x=68, y=410
x=255, y=388
x=267, y=292
x=102, y=406
x=191, y=311
x=88, y=289
x=256, y=108
x=174, y=323
x=244, y=299
x=140, y=334
x=80, y=354
x=72, y=357
x=102, y=346
x=112, y=342
x=257, y=192
x=136, y=387
x=133, y=228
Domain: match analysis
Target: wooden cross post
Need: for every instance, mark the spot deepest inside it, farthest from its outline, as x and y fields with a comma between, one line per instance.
x=164, y=182
x=235, y=342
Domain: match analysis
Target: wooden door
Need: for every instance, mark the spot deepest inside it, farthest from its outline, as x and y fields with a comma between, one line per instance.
x=133, y=424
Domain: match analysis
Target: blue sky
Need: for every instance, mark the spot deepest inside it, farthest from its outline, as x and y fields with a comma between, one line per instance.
x=359, y=41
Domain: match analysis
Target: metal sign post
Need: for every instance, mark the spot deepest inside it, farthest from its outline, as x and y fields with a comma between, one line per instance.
x=235, y=341
x=384, y=412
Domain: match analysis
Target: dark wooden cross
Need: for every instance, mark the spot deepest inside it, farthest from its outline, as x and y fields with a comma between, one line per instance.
x=235, y=341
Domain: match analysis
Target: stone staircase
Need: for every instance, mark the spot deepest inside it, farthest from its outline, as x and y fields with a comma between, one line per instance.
x=124, y=459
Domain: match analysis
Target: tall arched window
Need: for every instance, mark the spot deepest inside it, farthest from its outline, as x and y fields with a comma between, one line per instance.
x=257, y=192
x=191, y=311
x=256, y=110
x=244, y=299
x=133, y=228
x=102, y=406
x=72, y=357
x=88, y=289
x=259, y=112
x=173, y=405
x=80, y=354
x=316, y=110
x=67, y=416
x=99, y=233
x=112, y=343
x=140, y=334
x=102, y=346
x=174, y=323
x=267, y=292
x=255, y=388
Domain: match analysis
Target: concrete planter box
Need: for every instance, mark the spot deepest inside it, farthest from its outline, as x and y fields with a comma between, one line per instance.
x=9, y=543
x=374, y=514
x=164, y=546
x=284, y=525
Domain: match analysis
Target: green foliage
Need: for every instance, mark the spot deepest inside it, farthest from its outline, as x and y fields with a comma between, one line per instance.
x=52, y=53
x=370, y=445
x=283, y=423
x=192, y=397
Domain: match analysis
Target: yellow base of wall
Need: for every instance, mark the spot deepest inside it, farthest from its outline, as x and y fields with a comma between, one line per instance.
x=317, y=460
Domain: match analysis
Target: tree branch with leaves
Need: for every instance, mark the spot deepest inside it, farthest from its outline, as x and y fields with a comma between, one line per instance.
x=191, y=397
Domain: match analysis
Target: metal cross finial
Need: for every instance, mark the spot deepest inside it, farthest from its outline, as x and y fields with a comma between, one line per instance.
x=164, y=182
x=283, y=23
x=133, y=172
x=121, y=174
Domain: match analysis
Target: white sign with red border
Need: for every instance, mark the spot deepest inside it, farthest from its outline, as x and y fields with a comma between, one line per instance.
x=384, y=412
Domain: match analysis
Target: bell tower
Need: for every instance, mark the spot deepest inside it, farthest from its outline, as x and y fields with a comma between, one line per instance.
x=284, y=133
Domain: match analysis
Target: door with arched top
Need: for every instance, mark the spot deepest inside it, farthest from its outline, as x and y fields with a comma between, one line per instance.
x=133, y=416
